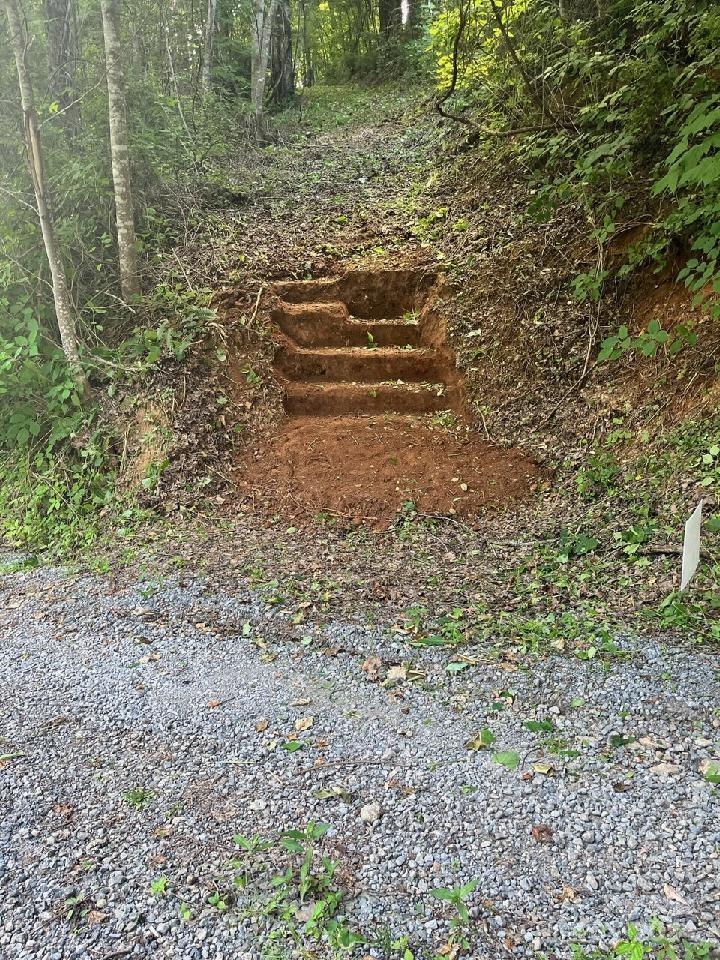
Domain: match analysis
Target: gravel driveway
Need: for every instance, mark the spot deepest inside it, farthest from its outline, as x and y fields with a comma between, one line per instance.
x=145, y=724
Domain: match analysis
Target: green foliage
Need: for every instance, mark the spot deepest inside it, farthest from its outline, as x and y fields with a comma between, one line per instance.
x=457, y=896
x=631, y=102
x=656, y=946
x=599, y=475
x=648, y=342
x=138, y=797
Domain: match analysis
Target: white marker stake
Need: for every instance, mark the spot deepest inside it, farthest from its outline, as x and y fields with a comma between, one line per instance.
x=691, y=546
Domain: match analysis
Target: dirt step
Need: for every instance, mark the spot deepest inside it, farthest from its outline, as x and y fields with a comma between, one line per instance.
x=330, y=325
x=341, y=399
x=360, y=364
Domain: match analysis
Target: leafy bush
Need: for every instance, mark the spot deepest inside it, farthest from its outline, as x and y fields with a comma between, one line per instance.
x=628, y=106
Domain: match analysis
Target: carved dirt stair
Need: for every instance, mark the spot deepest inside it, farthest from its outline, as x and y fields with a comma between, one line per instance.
x=376, y=419
x=355, y=347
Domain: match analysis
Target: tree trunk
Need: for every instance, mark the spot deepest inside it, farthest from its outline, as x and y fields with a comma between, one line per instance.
x=308, y=71
x=208, y=46
x=120, y=152
x=414, y=25
x=282, y=71
x=63, y=305
x=62, y=58
x=263, y=13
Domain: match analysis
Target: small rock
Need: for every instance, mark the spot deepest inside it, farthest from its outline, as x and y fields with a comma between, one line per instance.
x=371, y=812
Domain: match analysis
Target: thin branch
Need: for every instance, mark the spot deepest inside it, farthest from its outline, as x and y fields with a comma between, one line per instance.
x=476, y=127
x=510, y=47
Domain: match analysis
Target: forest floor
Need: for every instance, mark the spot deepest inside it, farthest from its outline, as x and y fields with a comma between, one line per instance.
x=510, y=709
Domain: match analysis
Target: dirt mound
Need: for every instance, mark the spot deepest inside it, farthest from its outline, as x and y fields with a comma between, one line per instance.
x=369, y=468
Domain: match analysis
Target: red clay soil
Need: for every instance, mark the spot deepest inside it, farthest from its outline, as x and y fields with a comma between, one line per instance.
x=364, y=469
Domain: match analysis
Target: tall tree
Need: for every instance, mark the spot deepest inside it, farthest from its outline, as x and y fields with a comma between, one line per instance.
x=208, y=46
x=120, y=151
x=282, y=68
x=263, y=14
x=63, y=305
x=308, y=70
x=62, y=59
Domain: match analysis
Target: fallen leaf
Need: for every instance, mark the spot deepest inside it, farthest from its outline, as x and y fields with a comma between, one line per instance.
x=304, y=723
x=262, y=725
x=710, y=769
x=6, y=758
x=672, y=894
x=95, y=916
x=485, y=738
x=507, y=758
x=541, y=833
x=212, y=704
x=300, y=702
x=665, y=769
x=371, y=667
x=542, y=766
x=397, y=673
x=567, y=893
x=333, y=793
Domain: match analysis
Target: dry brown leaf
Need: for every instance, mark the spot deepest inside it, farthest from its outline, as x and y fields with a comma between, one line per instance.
x=304, y=723
x=397, y=673
x=213, y=704
x=262, y=725
x=672, y=894
x=541, y=833
x=95, y=916
x=371, y=668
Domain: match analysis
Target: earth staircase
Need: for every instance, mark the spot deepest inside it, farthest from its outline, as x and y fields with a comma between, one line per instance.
x=359, y=347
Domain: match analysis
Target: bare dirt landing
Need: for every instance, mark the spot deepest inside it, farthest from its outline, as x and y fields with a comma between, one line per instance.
x=366, y=468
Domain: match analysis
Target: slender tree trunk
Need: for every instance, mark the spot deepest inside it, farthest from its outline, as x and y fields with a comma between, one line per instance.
x=414, y=25
x=120, y=152
x=263, y=13
x=308, y=71
x=62, y=57
x=282, y=71
x=63, y=305
x=208, y=46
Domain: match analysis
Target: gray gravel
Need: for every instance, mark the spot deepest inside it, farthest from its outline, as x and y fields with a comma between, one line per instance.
x=110, y=687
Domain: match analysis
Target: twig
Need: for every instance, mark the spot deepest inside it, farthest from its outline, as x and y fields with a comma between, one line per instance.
x=257, y=304
x=476, y=127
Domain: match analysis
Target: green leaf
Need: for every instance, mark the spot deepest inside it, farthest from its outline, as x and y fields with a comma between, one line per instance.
x=457, y=666
x=507, y=758
x=539, y=726
x=712, y=772
x=293, y=846
x=442, y=893
x=485, y=738
x=292, y=745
